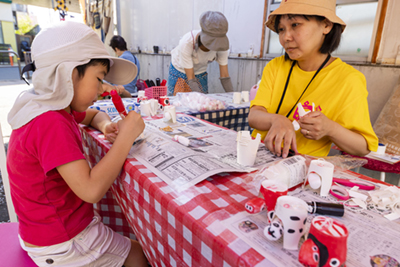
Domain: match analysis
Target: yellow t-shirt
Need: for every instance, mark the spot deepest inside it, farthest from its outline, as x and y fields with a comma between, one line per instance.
x=339, y=91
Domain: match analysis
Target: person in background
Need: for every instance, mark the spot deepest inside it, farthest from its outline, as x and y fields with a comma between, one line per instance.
x=53, y=188
x=118, y=44
x=334, y=92
x=196, y=49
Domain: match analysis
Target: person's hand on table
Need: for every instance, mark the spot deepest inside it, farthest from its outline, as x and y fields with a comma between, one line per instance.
x=315, y=125
x=111, y=131
x=281, y=131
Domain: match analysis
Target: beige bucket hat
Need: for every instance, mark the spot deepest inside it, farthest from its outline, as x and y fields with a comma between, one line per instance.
x=214, y=27
x=324, y=8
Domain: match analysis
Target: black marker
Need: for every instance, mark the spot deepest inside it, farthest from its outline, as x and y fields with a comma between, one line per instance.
x=326, y=208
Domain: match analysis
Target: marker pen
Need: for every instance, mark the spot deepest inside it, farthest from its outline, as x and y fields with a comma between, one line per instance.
x=119, y=105
x=164, y=82
x=325, y=208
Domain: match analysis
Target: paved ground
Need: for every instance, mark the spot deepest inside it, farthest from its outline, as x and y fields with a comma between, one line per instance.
x=9, y=73
x=10, y=88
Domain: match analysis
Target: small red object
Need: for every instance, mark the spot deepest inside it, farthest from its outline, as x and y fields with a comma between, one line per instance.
x=105, y=94
x=255, y=205
x=119, y=105
x=164, y=100
x=164, y=82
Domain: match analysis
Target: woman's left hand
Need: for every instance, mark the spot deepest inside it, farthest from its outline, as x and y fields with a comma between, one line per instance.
x=111, y=131
x=315, y=125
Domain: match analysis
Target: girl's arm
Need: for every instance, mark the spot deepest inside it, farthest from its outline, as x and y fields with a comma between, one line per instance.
x=102, y=122
x=91, y=184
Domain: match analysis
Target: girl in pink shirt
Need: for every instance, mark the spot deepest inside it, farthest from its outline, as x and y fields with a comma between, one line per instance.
x=52, y=186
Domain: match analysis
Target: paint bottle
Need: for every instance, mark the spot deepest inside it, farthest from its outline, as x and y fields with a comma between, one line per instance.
x=119, y=105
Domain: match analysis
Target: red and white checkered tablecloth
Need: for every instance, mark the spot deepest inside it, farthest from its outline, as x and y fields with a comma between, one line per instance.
x=174, y=229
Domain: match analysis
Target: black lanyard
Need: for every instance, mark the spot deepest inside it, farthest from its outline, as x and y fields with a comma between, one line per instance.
x=287, y=83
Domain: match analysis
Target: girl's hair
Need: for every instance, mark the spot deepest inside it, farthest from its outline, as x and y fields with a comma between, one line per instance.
x=93, y=62
x=118, y=41
x=332, y=39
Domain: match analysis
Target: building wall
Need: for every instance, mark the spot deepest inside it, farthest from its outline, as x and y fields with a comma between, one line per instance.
x=5, y=12
x=7, y=24
x=244, y=72
x=143, y=24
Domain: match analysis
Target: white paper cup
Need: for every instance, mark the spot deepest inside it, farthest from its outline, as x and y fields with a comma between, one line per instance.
x=247, y=148
x=170, y=113
x=245, y=96
x=324, y=170
x=154, y=106
x=145, y=108
x=237, y=97
x=381, y=149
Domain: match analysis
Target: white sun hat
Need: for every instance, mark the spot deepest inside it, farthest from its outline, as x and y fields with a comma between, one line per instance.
x=56, y=51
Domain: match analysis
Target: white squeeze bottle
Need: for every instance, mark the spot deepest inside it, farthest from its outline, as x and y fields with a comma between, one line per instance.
x=291, y=171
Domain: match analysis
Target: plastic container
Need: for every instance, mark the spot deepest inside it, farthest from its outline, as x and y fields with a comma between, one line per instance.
x=155, y=92
x=291, y=171
x=253, y=92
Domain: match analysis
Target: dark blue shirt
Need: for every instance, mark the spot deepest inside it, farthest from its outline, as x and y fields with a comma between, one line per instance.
x=131, y=87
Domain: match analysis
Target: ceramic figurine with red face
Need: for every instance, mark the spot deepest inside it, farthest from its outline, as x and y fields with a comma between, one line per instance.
x=326, y=245
x=164, y=100
x=255, y=205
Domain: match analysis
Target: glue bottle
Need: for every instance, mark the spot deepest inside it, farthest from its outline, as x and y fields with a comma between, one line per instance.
x=119, y=105
x=291, y=171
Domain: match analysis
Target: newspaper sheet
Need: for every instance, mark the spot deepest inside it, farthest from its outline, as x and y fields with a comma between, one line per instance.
x=373, y=240
x=212, y=150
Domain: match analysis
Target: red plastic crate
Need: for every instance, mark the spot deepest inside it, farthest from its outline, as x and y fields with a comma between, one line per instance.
x=155, y=92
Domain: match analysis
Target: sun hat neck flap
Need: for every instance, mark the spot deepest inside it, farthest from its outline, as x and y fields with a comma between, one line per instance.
x=324, y=8
x=57, y=51
x=214, y=27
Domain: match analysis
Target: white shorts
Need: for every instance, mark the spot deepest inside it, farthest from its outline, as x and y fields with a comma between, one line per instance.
x=96, y=245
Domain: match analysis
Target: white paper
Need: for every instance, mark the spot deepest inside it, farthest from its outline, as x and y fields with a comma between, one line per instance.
x=211, y=150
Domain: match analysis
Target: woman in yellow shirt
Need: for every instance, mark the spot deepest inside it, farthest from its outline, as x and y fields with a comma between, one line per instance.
x=334, y=92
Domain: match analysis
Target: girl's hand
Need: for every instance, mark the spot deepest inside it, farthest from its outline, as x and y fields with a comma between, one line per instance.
x=315, y=125
x=281, y=131
x=130, y=127
x=111, y=131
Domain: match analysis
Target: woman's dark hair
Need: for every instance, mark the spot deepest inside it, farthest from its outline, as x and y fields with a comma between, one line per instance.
x=332, y=39
x=93, y=62
x=118, y=42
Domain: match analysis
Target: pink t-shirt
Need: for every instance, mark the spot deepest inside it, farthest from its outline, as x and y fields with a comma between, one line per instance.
x=49, y=212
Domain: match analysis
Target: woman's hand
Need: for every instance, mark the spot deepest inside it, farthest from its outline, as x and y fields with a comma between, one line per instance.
x=281, y=131
x=108, y=87
x=315, y=125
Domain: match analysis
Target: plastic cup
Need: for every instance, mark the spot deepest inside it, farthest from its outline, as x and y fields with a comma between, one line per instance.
x=237, y=97
x=271, y=190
